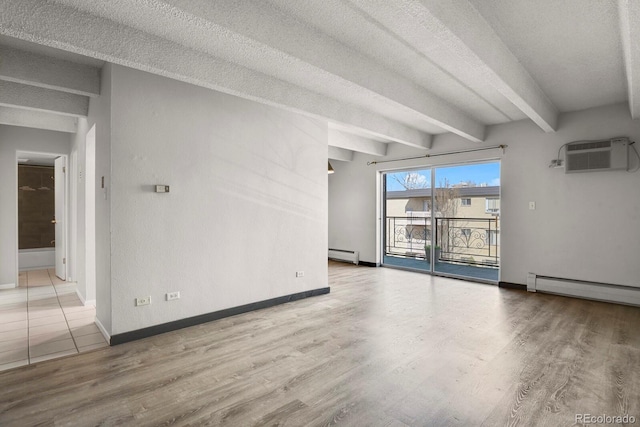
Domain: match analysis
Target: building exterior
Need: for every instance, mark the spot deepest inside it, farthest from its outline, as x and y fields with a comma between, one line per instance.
x=467, y=225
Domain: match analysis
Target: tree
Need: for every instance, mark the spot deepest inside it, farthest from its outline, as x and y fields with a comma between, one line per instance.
x=447, y=199
x=411, y=180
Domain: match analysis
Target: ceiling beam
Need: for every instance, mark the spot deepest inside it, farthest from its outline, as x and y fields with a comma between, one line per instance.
x=241, y=32
x=629, y=12
x=70, y=29
x=37, y=119
x=341, y=154
x=35, y=98
x=454, y=35
x=356, y=143
x=329, y=63
x=50, y=73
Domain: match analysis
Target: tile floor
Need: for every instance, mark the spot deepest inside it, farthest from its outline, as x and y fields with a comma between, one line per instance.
x=43, y=319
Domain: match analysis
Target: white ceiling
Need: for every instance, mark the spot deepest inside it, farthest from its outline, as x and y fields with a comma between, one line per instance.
x=49, y=51
x=573, y=50
x=386, y=71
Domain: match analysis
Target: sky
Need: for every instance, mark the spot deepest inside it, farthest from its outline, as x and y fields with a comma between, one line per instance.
x=484, y=173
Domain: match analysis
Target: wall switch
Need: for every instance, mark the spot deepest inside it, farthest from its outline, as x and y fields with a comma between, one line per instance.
x=143, y=301
x=532, y=206
x=299, y=273
x=173, y=295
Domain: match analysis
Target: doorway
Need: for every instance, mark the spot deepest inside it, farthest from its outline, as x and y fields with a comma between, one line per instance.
x=46, y=316
x=42, y=212
x=444, y=220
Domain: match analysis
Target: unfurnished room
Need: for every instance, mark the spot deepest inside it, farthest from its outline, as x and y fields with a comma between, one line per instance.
x=304, y=213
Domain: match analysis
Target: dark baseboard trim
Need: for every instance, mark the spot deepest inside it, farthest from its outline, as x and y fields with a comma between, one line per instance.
x=367, y=264
x=208, y=317
x=508, y=285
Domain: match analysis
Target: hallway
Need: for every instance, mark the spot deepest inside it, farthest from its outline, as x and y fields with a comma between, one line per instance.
x=44, y=319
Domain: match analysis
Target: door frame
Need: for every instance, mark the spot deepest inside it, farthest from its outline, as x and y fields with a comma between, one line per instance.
x=26, y=153
x=62, y=265
x=381, y=240
x=382, y=206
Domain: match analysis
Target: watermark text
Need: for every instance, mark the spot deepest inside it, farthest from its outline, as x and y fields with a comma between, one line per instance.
x=604, y=419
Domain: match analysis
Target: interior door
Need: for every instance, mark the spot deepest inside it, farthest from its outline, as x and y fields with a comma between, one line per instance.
x=60, y=218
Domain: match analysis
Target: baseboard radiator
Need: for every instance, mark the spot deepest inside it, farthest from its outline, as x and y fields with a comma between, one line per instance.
x=620, y=294
x=344, y=255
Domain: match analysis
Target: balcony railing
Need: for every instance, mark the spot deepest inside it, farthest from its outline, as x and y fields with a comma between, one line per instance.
x=470, y=241
x=407, y=236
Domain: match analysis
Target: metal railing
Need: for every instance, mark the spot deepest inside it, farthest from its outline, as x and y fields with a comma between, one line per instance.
x=469, y=240
x=407, y=236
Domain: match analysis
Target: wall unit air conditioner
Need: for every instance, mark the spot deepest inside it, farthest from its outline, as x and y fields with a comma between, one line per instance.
x=590, y=156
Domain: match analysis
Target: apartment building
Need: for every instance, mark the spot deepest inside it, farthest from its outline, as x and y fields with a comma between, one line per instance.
x=470, y=202
x=467, y=219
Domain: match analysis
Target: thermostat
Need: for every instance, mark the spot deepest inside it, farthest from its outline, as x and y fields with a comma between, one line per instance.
x=162, y=188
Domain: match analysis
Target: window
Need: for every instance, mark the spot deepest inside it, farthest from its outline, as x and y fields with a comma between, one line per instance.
x=465, y=202
x=492, y=206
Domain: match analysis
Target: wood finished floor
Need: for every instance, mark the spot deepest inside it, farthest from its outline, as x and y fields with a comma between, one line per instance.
x=384, y=348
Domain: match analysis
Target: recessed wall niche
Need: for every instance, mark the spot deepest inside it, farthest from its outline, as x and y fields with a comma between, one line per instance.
x=36, y=207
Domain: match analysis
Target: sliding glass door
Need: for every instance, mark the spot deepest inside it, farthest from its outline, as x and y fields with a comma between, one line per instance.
x=451, y=228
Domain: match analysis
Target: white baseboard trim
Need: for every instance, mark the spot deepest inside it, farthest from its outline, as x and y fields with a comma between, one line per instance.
x=40, y=267
x=8, y=286
x=83, y=301
x=81, y=297
x=103, y=330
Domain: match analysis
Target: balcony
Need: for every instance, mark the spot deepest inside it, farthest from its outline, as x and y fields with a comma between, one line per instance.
x=418, y=217
x=466, y=247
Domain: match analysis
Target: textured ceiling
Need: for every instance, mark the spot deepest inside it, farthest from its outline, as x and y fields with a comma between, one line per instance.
x=572, y=48
x=353, y=27
x=391, y=71
x=48, y=51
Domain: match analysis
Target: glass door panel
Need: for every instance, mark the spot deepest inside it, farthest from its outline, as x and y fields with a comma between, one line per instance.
x=407, y=219
x=467, y=221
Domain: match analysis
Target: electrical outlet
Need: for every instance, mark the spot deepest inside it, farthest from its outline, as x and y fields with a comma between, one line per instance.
x=173, y=295
x=532, y=206
x=299, y=273
x=143, y=301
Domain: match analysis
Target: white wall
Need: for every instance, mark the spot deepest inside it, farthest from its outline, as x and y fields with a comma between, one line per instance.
x=13, y=139
x=100, y=111
x=90, y=214
x=585, y=226
x=78, y=243
x=246, y=210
